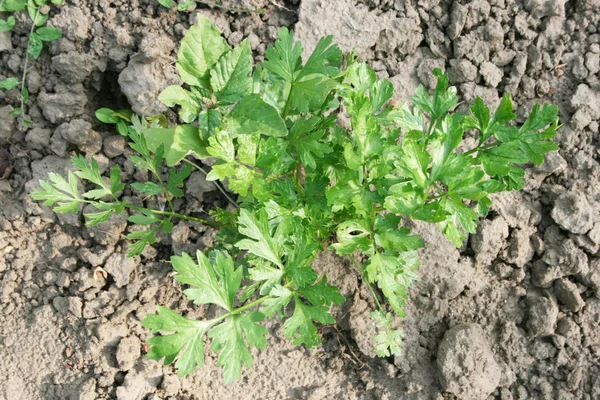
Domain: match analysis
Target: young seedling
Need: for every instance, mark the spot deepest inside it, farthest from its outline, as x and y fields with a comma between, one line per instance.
x=38, y=34
x=304, y=183
x=121, y=118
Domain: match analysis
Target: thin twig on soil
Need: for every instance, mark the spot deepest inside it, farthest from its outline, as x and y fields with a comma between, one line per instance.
x=349, y=347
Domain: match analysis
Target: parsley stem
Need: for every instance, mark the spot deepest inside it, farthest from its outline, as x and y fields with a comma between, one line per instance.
x=429, y=131
x=247, y=306
x=223, y=192
x=484, y=148
x=173, y=214
x=366, y=281
x=439, y=190
x=437, y=197
x=25, y=64
x=157, y=212
x=165, y=191
x=186, y=217
x=241, y=309
x=298, y=177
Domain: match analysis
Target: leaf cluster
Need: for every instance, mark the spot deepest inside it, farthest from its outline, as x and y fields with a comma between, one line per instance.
x=305, y=182
x=105, y=195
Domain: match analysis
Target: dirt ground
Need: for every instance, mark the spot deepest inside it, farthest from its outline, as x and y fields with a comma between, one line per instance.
x=514, y=314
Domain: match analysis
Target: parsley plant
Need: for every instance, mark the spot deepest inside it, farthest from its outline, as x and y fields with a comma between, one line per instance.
x=304, y=182
x=38, y=34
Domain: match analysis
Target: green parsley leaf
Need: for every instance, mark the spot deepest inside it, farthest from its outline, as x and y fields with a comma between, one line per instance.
x=388, y=341
x=176, y=178
x=442, y=148
x=200, y=50
x=228, y=340
x=269, y=276
x=300, y=326
x=393, y=238
x=381, y=92
x=308, y=145
x=208, y=122
x=444, y=97
x=361, y=76
x=48, y=33
x=394, y=274
x=259, y=242
x=322, y=294
x=7, y=25
x=176, y=95
x=280, y=296
x=35, y=45
x=352, y=235
x=253, y=115
x=187, y=341
x=414, y=163
x=231, y=76
x=9, y=83
x=147, y=188
x=61, y=191
x=284, y=59
x=214, y=281
x=310, y=85
x=459, y=216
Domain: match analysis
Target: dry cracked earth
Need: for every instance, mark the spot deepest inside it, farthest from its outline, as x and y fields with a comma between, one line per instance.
x=514, y=314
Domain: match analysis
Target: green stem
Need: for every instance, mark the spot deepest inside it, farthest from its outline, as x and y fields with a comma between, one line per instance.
x=484, y=148
x=441, y=196
x=173, y=214
x=241, y=309
x=157, y=212
x=223, y=192
x=25, y=64
x=248, y=306
x=429, y=130
x=367, y=282
x=186, y=217
x=438, y=188
x=165, y=191
x=297, y=177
